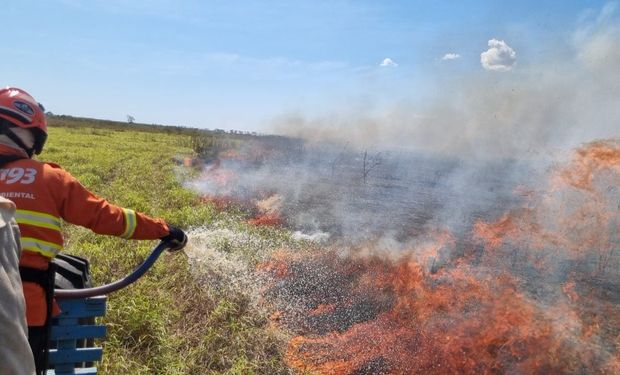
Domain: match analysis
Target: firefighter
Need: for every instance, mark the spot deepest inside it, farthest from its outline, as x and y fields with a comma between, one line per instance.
x=44, y=194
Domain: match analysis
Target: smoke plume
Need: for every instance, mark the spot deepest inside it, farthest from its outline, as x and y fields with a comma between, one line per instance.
x=542, y=107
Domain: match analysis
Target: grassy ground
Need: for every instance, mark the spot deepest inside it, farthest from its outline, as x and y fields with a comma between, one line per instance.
x=176, y=320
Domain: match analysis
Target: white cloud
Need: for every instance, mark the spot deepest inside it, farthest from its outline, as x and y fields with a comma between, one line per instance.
x=388, y=62
x=499, y=57
x=451, y=56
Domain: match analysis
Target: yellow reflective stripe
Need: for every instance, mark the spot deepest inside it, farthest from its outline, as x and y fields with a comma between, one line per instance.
x=130, y=223
x=37, y=219
x=38, y=214
x=48, y=249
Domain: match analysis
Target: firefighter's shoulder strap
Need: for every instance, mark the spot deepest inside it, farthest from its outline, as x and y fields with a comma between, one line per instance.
x=37, y=276
x=5, y=159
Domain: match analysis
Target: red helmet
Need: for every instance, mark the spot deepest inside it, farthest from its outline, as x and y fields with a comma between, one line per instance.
x=18, y=108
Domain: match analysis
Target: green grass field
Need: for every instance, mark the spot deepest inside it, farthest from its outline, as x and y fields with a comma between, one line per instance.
x=181, y=318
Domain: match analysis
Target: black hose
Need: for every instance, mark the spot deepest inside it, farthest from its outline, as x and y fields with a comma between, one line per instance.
x=118, y=284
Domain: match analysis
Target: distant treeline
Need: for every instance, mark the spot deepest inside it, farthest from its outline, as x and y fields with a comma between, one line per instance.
x=206, y=143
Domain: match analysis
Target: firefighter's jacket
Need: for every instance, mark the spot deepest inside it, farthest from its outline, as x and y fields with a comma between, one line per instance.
x=45, y=194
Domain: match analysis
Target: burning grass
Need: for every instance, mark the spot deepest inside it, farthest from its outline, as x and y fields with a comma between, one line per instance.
x=533, y=291
x=263, y=210
x=381, y=316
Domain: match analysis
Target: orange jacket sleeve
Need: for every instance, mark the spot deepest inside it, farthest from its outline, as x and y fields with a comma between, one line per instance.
x=79, y=206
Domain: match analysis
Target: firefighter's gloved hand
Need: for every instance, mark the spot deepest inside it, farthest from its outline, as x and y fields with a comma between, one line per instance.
x=176, y=238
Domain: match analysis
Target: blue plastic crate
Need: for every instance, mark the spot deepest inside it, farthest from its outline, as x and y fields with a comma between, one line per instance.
x=73, y=332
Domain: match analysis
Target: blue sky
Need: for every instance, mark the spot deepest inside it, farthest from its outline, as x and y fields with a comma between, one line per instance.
x=239, y=64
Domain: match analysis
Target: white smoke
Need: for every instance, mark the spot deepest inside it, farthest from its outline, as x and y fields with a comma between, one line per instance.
x=477, y=140
x=499, y=57
x=318, y=237
x=598, y=49
x=536, y=110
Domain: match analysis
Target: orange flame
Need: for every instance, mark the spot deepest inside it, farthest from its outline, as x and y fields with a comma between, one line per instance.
x=456, y=321
x=269, y=211
x=590, y=160
x=268, y=220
